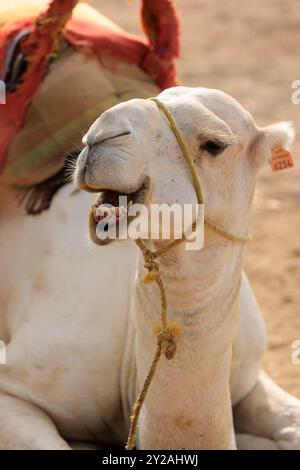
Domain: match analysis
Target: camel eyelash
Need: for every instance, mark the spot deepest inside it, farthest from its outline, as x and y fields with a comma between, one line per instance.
x=213, y=147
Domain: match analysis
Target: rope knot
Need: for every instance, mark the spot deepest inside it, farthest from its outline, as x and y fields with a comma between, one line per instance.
x=166, y=338
x=153, y=269
x=167, y=344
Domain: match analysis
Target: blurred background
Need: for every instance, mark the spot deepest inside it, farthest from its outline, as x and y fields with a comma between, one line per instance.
x=251, y=50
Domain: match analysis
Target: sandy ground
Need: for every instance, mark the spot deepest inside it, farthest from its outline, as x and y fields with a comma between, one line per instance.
x=251, y=49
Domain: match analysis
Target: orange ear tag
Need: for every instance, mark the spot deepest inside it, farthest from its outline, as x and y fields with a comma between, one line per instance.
x=281, y=159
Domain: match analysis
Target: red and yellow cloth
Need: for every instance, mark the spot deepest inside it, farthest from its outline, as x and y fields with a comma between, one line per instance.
x=46, y=114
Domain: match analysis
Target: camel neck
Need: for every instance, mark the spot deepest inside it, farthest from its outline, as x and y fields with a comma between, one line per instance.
x=188, y=404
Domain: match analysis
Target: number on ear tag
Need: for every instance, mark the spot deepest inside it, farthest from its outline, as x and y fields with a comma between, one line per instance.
x=281, y=159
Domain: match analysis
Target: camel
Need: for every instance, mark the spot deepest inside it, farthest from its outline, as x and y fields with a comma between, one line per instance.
x=79, y=332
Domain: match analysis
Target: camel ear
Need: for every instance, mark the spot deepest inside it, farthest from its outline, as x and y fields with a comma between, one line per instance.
x=280, y=134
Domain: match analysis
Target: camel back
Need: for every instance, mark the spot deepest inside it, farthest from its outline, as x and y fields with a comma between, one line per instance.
x=95, y=66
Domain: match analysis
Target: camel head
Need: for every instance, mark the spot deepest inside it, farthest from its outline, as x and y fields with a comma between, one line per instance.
x=130, y=150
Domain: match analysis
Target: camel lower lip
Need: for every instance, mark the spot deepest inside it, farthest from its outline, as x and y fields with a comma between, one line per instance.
x=111, y=207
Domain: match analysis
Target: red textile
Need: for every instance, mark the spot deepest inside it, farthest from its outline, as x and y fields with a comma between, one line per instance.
x=156, y=57
x=160, y=22
x=37, y=47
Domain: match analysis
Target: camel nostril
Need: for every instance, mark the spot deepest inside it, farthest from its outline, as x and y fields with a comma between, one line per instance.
x=93, y=153
x=107, y=137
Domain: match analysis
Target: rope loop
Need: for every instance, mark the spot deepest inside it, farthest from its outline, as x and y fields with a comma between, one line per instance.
x=166, y=342
x=166, y=337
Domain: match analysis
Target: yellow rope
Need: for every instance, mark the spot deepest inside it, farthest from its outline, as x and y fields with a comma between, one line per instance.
x=167, y=330
x=184, y=149
x=222, y=231
x=166, y=333
x=196, y=181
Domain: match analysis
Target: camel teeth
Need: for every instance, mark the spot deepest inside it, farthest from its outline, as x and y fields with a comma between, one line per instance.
x=110, y=213
x=103, y=211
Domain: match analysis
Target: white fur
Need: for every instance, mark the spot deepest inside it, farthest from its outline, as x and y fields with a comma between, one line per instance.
x=74, y=354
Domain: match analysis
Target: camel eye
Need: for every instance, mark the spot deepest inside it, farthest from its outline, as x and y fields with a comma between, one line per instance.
x=213, y=147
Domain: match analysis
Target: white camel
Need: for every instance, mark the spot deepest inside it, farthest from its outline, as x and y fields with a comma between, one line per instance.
x=78, y=347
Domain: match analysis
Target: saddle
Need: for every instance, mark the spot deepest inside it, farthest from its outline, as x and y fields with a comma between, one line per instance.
x=63, y=65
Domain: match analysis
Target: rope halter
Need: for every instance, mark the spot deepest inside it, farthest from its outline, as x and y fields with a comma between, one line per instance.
x=168, y=330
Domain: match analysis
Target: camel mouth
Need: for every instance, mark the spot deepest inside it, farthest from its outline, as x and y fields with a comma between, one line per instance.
x=110, y=211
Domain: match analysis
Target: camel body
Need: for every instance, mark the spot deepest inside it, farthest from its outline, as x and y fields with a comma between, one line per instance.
x=70, y=336
x=79, y=338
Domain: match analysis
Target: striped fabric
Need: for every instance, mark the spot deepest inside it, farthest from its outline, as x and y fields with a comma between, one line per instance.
x=74, y=93
x=98, y=65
